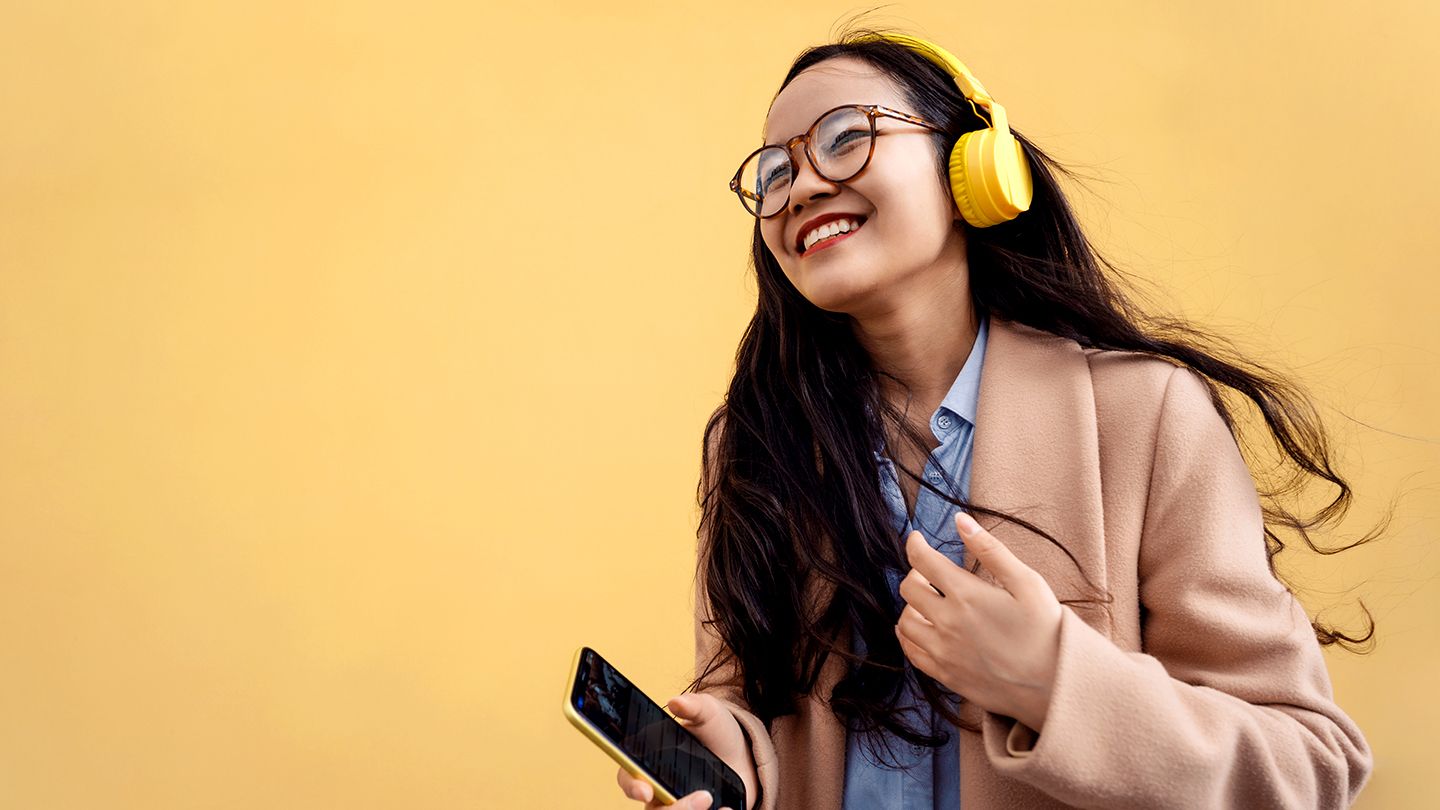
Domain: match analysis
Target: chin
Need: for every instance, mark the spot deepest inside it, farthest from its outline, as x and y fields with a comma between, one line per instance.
x=838, y=292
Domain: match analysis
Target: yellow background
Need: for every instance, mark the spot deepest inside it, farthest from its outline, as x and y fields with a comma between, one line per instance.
x=355, y=355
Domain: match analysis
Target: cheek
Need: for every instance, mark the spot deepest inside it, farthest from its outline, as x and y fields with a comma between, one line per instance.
x=916, y=220
x=774, y=238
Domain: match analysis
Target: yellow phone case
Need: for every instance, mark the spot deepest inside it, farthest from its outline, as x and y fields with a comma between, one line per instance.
x=588, y=729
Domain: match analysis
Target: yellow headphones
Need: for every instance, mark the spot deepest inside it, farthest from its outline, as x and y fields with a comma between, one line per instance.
x=989, y=175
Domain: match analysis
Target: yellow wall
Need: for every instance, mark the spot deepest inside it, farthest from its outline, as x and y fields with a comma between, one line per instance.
x=344, y=394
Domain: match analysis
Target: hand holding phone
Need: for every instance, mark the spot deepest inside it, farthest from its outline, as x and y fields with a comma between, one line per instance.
x=715, y=727
x=663, y=760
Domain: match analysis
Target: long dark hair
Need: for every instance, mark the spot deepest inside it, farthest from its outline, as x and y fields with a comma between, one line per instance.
x=789, y=490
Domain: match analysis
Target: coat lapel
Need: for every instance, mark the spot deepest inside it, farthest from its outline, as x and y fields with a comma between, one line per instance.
x=1037, y=457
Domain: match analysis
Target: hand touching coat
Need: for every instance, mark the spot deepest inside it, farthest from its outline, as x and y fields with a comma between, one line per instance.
x=995, y=646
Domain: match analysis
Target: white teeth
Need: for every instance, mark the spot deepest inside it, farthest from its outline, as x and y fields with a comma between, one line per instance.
x=830, y=229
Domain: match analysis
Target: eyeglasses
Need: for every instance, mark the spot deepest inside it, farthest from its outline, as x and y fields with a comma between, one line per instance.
x=845, y=140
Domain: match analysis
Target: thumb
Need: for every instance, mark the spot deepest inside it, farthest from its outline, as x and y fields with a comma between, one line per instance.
x=681, y=705
x=690, y=707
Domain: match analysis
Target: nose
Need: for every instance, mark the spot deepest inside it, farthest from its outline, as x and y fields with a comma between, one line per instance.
x=807, y=183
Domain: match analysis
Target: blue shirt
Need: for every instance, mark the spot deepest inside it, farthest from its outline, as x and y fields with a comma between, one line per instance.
x=932, y=781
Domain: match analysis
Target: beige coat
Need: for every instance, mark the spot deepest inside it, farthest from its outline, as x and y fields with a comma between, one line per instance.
x=1206, y=689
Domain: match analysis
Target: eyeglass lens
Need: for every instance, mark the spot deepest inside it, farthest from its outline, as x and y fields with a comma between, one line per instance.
x=840, y=143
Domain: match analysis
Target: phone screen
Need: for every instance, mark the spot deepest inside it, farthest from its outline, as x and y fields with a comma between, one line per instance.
x=638, y=726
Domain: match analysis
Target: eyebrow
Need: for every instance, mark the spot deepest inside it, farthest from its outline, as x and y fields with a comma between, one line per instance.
x=766, y=142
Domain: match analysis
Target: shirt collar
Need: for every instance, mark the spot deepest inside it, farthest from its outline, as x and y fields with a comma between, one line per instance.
x=964, y=395
x=963, y=398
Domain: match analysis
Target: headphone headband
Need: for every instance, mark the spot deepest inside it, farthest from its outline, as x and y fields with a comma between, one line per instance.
x=989, y=173
x=964, y=79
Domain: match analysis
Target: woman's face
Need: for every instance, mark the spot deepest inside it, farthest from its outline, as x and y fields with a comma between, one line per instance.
x=909, y=239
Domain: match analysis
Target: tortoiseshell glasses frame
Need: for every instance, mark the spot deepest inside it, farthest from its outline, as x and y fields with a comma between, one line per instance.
x=871, y=112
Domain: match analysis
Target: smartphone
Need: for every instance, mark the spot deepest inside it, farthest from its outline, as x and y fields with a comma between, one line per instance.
x=647, y=742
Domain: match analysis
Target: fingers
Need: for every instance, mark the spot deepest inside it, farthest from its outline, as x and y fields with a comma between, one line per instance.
x=635, y=788
x=918, y=592
x=917, y=649
x=917, y=629
x=936, y=567
x=640, y=790
x=699, y=800
x=1012, y=574
x=695, y=709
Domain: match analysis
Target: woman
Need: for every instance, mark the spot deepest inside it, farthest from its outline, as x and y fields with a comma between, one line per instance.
x=1115, y=634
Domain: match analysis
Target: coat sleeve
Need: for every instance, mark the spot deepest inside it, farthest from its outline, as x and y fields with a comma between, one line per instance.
x=1230, y=703
x=725, y=685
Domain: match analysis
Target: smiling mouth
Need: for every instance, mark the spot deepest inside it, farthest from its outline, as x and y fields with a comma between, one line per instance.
x=828, y=241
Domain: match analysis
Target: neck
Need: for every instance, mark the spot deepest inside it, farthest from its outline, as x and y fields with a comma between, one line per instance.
x=923, y=341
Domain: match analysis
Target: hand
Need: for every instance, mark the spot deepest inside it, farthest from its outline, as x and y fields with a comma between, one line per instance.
x=996, y=646
x=718, y=729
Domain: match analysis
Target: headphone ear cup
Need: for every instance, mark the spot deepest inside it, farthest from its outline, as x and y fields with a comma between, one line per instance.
x=961, y=184
x=989, y=177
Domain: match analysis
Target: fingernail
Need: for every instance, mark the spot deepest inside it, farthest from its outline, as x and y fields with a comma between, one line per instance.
x=703, y=801
x=968, y=523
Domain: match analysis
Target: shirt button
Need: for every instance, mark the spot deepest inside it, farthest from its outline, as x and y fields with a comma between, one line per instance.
x=944, y=422
x=934, y=477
